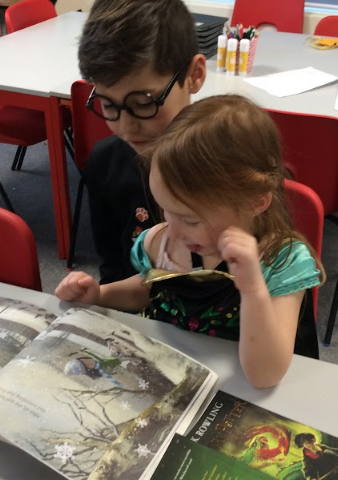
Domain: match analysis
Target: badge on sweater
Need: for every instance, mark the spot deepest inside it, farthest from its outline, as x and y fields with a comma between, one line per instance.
x=141, y=214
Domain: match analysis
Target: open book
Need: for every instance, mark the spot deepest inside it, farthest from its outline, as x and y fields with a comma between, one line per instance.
x=91, y=397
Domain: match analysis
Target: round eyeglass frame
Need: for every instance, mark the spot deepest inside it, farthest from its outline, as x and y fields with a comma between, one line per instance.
x=158, y=102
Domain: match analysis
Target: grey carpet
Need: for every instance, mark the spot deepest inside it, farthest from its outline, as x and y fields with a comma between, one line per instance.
x=30, y=193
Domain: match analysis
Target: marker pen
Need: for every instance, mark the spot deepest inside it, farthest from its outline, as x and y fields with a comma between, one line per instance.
x=221, y=52
x=244, y=46
x=231, y=56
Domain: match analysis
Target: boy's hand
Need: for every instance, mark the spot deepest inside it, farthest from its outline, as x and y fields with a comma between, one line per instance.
x=240, y=250
x=80, y=287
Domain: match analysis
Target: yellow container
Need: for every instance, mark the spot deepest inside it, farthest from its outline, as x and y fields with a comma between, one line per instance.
x=231, y=56
x=244, y=47
x=221, y=52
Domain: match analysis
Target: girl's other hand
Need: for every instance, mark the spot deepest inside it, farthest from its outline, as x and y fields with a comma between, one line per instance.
x=240, y=250
x=80, y=287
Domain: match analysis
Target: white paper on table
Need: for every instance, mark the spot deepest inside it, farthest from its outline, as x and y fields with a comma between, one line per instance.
x=292, y=82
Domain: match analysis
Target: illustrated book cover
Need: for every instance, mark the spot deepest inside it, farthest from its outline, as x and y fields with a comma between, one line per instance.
x=188, y=460
x=277, y=446
x=90, y=397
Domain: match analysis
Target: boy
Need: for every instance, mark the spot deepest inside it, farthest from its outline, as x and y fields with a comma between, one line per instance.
x=143, y=58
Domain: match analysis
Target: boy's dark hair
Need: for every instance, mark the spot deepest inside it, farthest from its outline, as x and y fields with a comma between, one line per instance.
x=304, y=437
x=123, y=36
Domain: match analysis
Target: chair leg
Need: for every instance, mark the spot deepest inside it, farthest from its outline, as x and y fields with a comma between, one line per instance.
x=69, y=134
x=75, y=224
x=332, y=318
x=69, y=146
x=16, y=157
x=22, y=156
x=6, y=199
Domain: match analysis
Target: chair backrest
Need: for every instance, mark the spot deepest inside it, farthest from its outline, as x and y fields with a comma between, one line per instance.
x=327, y=26
x=307, y=215
x=309, y=148
x=286, y=15
x=18, y=256
x=88, y=128
x=28, y=12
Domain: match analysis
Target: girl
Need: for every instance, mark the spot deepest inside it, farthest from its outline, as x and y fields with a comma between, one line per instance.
x=226, y=255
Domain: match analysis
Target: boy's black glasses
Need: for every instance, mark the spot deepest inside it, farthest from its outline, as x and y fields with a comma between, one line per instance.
x=137, y=104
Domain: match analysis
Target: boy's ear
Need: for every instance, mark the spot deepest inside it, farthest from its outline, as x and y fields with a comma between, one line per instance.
x=196, y=73
x=261, y=203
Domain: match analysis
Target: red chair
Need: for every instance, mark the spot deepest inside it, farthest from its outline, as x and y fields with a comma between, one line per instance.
x=309, y=144
x=28, y=12
x=286, y=15
x=22, y=126
x=18, y=256
x=307, y=215
x=87, y=130
x=327, y=26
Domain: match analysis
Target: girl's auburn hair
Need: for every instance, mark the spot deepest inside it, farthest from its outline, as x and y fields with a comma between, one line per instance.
x=226, y=150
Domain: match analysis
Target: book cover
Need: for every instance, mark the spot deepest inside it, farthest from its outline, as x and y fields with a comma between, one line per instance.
x=280, y=447
x=93, y=398
x=188, y=460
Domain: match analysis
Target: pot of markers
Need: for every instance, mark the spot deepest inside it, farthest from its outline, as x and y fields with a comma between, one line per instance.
x=236, y=50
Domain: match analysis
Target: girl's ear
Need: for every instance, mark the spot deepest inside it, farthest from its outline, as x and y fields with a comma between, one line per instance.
x=261, y=203
x=196, y=73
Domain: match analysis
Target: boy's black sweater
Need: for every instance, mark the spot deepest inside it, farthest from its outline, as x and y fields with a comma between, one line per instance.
x=117, y=187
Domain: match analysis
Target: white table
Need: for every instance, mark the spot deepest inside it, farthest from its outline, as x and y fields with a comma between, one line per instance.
x=33, y=61
x=276, y=52
x=307, y=394
x=279, y=52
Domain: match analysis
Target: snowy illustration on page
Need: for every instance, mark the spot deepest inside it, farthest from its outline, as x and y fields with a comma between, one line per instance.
x=95, y=399
x=20, y=323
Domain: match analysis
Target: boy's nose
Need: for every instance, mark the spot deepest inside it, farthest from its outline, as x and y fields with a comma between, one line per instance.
x=125, y=125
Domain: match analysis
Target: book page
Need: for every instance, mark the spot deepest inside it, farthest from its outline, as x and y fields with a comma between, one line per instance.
x=292, y=82
x=20, y=323
x=95, y=399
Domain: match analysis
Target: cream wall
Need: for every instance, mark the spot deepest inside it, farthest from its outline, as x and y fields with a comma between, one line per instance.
x=63, y=6
x=212, y=8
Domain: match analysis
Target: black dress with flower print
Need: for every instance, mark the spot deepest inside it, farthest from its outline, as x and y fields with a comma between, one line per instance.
x=212, y=307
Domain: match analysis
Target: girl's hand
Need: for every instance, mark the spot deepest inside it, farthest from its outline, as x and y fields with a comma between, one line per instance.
x=80, y=287
x=240, y=250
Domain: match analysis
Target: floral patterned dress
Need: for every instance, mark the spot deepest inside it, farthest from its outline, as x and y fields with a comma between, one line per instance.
x=207, y=301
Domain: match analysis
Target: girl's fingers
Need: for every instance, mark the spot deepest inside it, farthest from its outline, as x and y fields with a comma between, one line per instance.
x=71, y=287
x=86, y=281
x=235, y=253
x=238, y=247
x=236, y=243
x=236, y=236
